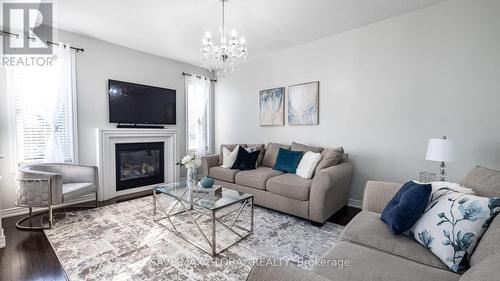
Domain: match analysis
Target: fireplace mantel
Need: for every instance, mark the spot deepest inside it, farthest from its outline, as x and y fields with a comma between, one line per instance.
x=106, y=140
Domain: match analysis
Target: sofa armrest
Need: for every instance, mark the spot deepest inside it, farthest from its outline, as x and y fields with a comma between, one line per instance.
x=377, y=194
x=330, y=191
x=207, y=162
x=282, y=273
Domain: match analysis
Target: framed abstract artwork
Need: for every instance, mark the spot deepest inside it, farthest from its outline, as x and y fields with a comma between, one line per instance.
x=272, y=107
x=303, y=104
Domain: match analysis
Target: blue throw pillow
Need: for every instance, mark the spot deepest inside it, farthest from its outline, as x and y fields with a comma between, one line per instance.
x=406, y=207
x=288, y=160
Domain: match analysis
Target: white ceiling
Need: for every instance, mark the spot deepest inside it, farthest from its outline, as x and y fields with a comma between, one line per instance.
x=174, y=28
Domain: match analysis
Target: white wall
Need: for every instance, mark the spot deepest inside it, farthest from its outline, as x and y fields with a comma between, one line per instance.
x=102, y=61
x=385, y=89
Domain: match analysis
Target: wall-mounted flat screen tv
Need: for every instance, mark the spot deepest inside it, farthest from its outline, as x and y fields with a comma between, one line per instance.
x=131, y=103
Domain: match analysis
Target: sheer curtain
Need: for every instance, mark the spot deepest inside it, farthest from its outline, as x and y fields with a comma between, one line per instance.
x=60, y=86
x=43, y=101
x=198, y=96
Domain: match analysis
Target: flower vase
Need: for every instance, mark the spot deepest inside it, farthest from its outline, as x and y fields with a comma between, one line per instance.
x=192, y=177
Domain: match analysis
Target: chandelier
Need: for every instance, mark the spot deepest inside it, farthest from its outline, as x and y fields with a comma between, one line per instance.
x=226, y=57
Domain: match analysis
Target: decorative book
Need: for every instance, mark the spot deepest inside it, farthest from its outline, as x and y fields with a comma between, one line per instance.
x=212, y=191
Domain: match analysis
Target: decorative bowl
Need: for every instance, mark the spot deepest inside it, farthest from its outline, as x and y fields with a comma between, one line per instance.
x=207, y=182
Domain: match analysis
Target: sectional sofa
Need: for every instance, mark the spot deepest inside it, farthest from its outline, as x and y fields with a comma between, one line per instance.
x=376, y=254
x=314, y=199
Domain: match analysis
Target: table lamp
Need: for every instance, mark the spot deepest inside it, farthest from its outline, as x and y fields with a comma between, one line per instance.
x=441, y=150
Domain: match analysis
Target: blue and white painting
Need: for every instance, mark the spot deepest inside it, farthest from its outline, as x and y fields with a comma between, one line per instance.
x=272, y=103
x=303, y=104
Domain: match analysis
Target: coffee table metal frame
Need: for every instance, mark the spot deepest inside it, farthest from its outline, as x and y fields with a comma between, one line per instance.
x=190, y=207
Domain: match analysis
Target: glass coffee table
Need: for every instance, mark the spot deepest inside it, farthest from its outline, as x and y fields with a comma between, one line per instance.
x=189, y=206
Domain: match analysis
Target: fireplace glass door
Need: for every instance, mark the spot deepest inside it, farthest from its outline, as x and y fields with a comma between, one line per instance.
x=139, y=164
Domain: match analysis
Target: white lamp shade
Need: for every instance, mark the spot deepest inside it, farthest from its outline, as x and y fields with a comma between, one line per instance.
x=440, y=150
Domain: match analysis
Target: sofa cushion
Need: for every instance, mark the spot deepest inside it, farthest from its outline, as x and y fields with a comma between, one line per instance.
x=229, y=157
x=486, y=270
x=231, y=147
x=290, y=185
x=223, y=174
x=406, y=207
x=489, y=243
x=261, y=148
x=484, y=181
x=72, y=191
x=245, y=160
x=367, y=229
x=305, y=148
x=271, y=152
x=452, y=225
x=369, y=264
x=288, y=160
x=308, y=164
x=256, y=178
x=330, y=157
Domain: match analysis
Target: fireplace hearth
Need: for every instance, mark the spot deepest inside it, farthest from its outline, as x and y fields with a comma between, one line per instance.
x=139, y=164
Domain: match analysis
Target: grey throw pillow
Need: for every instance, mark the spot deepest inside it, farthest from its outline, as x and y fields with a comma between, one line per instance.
x=484, y=181
x=271, y=153
x=305, y=148
x=330, y=157
x=254, y=147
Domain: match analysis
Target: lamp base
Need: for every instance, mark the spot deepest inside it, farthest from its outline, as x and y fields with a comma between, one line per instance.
x=443, y=171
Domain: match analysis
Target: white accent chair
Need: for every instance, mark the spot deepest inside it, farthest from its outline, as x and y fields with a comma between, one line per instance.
x=54, y=185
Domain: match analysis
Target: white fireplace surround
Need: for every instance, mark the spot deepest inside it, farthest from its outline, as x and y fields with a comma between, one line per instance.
x=2, y=236
x=106, y=156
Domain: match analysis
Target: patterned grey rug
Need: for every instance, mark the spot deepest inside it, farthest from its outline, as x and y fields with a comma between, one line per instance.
x=122, y=242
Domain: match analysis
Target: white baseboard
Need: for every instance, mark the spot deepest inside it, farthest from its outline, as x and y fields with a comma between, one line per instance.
x=355, y=203
x=15, y=211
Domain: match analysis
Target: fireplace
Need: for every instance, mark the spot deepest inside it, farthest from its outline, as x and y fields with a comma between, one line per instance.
x=139, y=164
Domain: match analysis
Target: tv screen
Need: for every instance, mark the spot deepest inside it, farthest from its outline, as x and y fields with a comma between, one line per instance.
x=140, y=104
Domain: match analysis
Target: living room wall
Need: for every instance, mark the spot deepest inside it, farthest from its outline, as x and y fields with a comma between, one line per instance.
x=385, y=89
x=101, y=61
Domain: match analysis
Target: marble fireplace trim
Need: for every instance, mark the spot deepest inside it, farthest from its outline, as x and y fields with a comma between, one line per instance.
x=106, y=157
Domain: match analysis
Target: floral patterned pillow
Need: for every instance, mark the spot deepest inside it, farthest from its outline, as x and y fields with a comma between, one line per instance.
x=452, y=224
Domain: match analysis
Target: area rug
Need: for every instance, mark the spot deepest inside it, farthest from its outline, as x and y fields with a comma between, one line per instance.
x=123, y=242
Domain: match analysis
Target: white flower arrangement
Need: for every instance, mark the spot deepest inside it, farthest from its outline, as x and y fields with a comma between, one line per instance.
x=190, y=162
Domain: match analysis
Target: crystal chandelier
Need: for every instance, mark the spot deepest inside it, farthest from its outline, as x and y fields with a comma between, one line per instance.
x=226, y=57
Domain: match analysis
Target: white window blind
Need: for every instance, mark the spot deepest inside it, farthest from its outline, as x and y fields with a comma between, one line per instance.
x=27, y=88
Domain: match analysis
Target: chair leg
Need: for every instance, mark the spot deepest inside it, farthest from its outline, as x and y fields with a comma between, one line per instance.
x=30, y=216
x=96, y=200
x=50, y=216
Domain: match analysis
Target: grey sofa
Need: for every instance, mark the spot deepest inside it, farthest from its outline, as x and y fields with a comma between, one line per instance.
x=314, y=199
x=376, y=254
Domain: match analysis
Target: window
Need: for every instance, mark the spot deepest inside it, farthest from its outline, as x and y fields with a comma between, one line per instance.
x=199, y=114
x=43, y=113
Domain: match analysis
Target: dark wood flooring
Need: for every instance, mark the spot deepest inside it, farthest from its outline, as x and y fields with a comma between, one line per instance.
x=29, y=255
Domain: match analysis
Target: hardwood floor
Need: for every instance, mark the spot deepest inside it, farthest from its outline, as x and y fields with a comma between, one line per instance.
x=29, y=255
x=344, y=215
